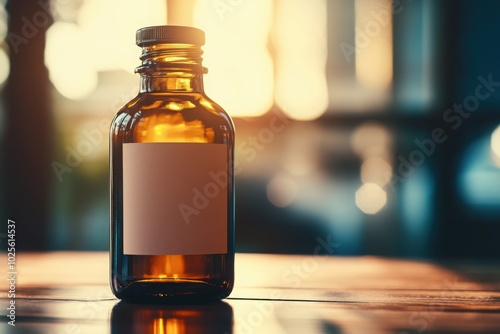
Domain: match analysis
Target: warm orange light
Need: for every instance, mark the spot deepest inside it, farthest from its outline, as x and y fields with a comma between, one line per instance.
x=300, y=38
x=71, y=67
x=240, y=67
x=76, y=52
x=373, y=43
x=174, y=326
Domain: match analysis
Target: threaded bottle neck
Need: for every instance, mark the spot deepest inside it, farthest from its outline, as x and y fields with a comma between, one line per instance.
x=171, y=68
x=171, y=58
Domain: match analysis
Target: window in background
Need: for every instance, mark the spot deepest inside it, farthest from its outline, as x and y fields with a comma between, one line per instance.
x=304, y=56
x=262, y=55
x=266, y=51
x=361, y=83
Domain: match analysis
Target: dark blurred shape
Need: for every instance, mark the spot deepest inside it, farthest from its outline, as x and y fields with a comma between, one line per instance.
x=455, y=48
x=175, y=319
x=28, y=124
x=471, y=57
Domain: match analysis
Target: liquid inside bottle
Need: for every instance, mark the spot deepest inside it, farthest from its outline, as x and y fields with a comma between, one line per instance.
x=171, y=165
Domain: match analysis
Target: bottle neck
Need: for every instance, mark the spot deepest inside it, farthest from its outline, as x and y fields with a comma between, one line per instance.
x=171, y=82
x=171, y=68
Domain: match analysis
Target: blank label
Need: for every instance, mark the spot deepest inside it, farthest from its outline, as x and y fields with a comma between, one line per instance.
x=175, y=198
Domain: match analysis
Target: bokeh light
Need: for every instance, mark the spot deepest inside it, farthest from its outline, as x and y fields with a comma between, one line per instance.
x=71, y=67
x=370, y=198
x=4, y=66
x=300, y=40
x=371, y=139
x=240, y=67
x=374, y=43
x=281, y=190
x=76, y=51
x=495, y=145
x=4, y=59
x=375, y=170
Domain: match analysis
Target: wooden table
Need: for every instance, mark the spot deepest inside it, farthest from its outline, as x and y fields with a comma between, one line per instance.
x=68, y=292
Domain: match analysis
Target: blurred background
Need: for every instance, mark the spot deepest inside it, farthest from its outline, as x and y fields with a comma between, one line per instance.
x=371, y=126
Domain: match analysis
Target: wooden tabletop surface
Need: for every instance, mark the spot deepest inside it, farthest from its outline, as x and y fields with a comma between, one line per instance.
x=68, y=292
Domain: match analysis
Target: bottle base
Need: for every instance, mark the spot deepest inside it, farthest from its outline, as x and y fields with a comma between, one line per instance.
x=173, y=291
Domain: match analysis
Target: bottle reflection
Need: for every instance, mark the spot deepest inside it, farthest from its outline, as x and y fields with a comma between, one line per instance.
x=172, y=319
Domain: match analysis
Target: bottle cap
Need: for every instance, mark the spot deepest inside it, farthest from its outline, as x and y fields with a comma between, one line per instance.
x=169, y=34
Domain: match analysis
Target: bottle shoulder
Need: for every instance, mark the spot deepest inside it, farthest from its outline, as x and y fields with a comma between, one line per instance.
x=176, y=117
x=149, y=103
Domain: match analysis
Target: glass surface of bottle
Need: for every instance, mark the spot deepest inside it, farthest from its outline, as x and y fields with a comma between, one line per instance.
x=171, y=182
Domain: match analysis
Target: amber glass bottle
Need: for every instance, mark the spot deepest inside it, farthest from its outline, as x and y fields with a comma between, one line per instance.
x=171, y=164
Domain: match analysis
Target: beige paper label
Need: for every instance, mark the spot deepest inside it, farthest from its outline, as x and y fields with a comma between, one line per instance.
x=174, y=198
